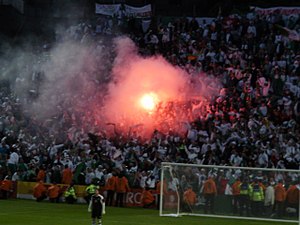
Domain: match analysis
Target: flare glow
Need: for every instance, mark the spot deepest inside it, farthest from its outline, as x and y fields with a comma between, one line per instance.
x=149, y=101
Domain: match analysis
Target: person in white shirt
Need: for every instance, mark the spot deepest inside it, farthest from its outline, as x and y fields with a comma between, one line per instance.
x=99, y=172
x=251, y=29
x=142, y=178
x=236, y=158
x=151, y=181
x=90, y=175
x=173, y=185
x=269, y=198
x=13, y=161
x=15, y=176
x=263, y=159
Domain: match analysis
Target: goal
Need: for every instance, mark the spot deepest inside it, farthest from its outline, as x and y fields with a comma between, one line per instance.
x=240, y=192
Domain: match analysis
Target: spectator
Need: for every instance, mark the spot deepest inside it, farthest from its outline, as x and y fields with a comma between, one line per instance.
x=13, y=160
x=269, y=199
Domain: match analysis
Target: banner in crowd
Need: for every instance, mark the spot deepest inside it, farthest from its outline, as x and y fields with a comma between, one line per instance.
x=138, y=12
x=291, y=34
x=108, y=10
x=126, y=10
x=278, y=10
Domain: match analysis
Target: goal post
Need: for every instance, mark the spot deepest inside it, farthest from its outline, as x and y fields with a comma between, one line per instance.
x=230, y=192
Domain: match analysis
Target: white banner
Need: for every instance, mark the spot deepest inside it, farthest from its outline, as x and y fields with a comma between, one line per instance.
x=278, y=10
x=108, y=10
x=118, y=10
x=138, y=12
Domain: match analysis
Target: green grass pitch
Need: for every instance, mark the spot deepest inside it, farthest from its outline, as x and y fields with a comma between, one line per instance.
x=26, y=212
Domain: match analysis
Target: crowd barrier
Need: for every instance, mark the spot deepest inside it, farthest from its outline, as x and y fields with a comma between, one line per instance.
x=24, y=190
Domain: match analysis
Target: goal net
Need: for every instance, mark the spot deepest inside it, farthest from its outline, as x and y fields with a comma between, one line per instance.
x=229, y=192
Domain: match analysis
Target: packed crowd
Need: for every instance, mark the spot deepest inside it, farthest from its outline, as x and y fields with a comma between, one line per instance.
x=253, y=122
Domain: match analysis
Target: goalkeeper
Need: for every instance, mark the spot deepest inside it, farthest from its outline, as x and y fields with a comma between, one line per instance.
x=97, y=207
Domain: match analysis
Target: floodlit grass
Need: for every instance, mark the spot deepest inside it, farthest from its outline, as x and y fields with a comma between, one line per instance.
x=26, y=212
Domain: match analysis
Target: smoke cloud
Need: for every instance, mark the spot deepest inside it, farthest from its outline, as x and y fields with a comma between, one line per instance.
x=97, y=86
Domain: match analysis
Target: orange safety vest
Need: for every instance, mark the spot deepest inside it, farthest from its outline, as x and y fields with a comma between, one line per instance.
x=292, y=195
x=67, y=176
x=6, y=185
x=280, y=193
x=209, y=187
x=122, y=185
x=38, y=190
x=147, y=197
x=158, y=186
x=236, y=188
x=111, y=183
x=41, y=175
x=53, y=191
x=189, y=197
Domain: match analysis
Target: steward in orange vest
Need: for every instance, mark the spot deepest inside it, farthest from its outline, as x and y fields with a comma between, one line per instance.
x=54, y=193
x=292, y=197
x=280, y=195
x=39, y=191
x=121, y=188
x=209, y=191
x=189, y=198
x=67, y=175
x=41, y=174
x=236, y=194
x=5, y=187
x=147, y=198
x=110, y=187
